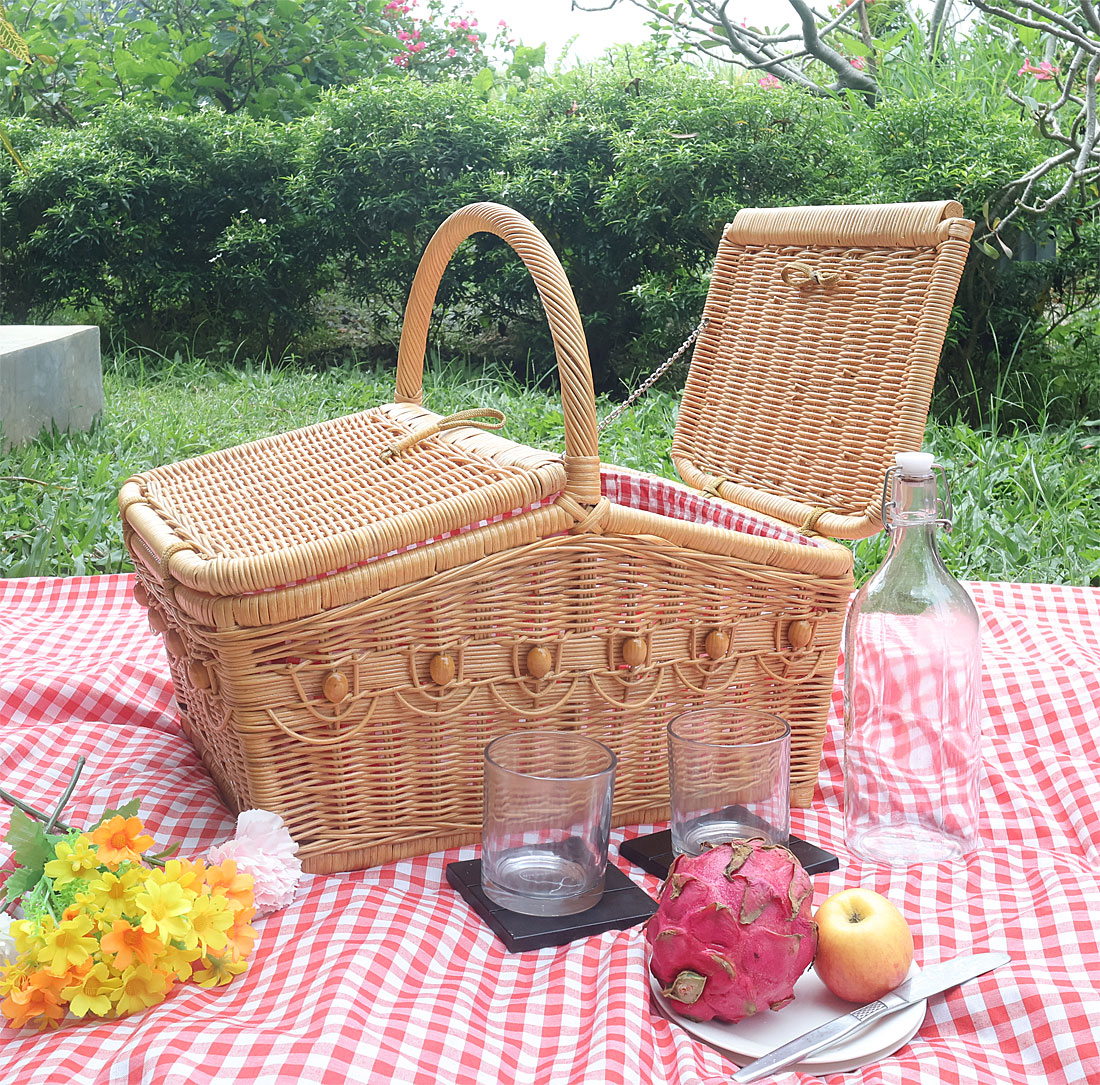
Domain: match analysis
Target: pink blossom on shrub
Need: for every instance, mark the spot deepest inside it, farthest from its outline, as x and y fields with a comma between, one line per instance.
x=768, y=81
x=858, y=63
x=1042, y=73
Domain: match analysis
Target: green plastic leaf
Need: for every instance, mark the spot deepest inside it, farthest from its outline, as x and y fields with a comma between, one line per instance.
x=18, y=882
x=126, y=810
x=29, y=841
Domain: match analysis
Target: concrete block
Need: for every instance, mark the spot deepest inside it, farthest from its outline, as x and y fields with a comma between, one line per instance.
x=49, y=375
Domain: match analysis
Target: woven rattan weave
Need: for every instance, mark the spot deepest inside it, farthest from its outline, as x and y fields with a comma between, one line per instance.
x=353, y=610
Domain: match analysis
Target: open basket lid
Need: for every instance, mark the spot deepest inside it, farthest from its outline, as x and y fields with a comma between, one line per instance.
x=816, y=365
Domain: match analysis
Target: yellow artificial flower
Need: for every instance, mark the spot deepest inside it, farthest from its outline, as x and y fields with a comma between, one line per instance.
x=176, y=962
x=187, y=873
x=72, y=860
x=219, y=970
x=14, y=975
x=25, y=936
x=125, y=943
x=139, y=987
x=121, y=840
x=210, y=919
x=66, y=944
x=92, y=992
x=112, y=895
x=164, y=906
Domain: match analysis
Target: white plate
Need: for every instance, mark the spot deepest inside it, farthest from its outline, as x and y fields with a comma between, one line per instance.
x=813, y=1005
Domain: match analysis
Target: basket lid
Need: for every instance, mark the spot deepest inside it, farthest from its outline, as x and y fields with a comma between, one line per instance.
x=824, y=327
x=319, y=500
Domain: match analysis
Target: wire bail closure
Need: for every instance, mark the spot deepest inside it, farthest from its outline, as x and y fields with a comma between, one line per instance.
x=943, y=504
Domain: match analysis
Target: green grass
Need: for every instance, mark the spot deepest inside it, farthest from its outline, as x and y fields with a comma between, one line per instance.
x=1025, y=502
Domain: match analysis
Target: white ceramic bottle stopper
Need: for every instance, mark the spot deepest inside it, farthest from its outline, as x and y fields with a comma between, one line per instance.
x=915, y=464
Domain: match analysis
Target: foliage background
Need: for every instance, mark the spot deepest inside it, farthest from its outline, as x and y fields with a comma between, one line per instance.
x=230, y=179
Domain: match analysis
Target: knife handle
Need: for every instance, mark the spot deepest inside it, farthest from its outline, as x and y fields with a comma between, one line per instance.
x=814, y=1040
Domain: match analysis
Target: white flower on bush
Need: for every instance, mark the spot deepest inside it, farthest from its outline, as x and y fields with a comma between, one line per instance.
x=264, y=848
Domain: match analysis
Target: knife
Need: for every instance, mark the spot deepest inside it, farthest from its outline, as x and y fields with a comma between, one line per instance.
x=930, y=981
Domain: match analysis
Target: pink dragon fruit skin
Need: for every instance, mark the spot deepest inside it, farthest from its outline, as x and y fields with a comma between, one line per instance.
x=732, y=931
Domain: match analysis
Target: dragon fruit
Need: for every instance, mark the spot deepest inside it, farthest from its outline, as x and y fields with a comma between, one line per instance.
x=732, y=931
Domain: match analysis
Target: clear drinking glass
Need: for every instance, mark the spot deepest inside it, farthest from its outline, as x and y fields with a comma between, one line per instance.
x=547, y=821
x=729, y=777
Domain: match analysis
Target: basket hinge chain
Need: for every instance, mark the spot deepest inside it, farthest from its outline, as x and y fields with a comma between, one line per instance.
x=652, y=379
x=452, y=421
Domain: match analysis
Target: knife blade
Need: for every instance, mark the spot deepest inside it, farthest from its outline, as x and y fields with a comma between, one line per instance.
x=930, y=981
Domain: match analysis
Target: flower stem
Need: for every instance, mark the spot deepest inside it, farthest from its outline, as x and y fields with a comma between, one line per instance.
x=32, y=811
x=65, y=795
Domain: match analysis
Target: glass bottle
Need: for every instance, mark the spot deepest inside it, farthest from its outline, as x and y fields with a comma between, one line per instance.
x=912, y=681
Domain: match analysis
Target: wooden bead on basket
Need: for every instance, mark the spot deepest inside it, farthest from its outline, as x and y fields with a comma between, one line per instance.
x=175, y=644
x=198, y=675
x=635, y=651
x=800, y=633
x=335, y=687
x=442, y=669
x=539, y=662
x=717, y=644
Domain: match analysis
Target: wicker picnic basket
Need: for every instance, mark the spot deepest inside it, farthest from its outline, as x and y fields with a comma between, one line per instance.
x=352, y=610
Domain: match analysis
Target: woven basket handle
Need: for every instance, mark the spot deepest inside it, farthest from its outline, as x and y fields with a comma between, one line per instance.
x=582, y=458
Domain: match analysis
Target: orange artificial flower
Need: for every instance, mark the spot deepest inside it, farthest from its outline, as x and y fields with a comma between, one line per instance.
x=120, y=840
x=225, y=881
x=127, y=942
x=37, y=1001
x=242, y=935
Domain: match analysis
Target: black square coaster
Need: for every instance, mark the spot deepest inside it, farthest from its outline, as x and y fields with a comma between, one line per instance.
x=653, y=853
x=622, y=905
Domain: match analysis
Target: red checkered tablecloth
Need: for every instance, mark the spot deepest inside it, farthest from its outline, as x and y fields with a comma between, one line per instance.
x=385, y=975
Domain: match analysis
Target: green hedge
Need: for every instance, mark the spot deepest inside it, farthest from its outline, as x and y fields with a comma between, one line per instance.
x=211, y=229
x=164, y=228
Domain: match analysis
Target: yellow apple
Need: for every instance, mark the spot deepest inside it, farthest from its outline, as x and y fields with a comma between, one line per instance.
x=864, y=945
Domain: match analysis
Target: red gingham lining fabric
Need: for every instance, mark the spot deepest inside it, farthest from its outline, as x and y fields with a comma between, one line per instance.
x=384, y=975
x=650, y=493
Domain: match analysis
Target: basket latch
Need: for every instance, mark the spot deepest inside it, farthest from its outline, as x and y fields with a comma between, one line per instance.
x=452, y=421
x=798, y=273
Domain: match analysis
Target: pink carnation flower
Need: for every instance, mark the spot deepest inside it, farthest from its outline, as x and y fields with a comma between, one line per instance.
x=263, y=847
